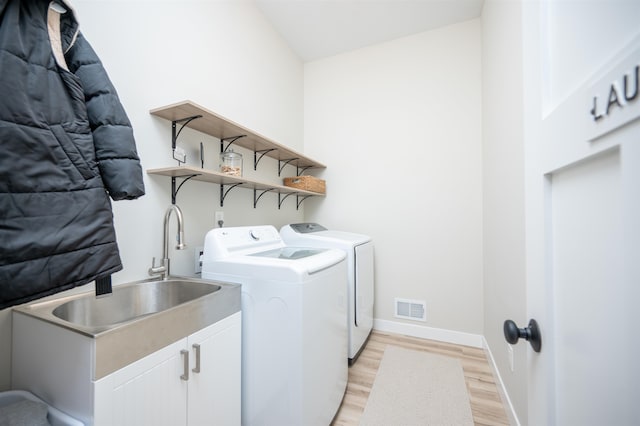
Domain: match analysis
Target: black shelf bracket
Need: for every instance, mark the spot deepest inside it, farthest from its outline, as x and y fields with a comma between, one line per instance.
x=282, y=163
x=281, y=198
x=262, y=153
x=223, y=193
x=175, y=134
x=301, y=170
x=174, y=190
x=255, y=192
x=300, y=199
x=231, y=140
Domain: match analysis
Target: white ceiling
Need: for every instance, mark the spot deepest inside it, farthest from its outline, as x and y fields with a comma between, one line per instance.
x=319, y=28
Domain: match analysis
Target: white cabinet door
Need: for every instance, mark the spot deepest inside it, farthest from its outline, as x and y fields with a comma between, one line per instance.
x=147, y=392
x=152, y=391
x=214, y=392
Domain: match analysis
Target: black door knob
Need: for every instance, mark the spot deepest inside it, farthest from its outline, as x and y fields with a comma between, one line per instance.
x=531, y=334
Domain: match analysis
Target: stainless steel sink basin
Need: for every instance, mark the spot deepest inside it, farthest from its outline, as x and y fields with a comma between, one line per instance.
x=133, y=301
x=138, y=318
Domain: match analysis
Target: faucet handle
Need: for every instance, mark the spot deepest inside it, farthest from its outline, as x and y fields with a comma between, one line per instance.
x=155, y=270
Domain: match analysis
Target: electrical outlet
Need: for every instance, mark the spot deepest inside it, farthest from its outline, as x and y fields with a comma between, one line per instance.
x=510, y=357
x=197, y=261
x=219, y=218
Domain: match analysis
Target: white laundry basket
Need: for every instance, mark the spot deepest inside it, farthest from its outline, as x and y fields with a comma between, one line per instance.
x=54, y=416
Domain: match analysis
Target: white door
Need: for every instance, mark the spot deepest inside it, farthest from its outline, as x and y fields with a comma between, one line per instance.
x=582, y=147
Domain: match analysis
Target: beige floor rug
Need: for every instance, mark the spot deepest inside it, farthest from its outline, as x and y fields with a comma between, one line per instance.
x=417, y=388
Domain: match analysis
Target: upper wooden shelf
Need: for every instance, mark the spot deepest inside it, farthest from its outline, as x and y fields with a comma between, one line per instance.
x=219, y=127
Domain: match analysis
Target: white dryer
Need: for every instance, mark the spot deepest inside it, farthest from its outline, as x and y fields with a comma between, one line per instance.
x=294, y=336
x=360, y=295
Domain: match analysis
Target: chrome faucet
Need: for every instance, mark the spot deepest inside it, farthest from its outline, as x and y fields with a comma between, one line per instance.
x=163, y=268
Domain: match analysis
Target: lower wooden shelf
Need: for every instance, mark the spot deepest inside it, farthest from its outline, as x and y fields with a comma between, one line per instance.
x=203, y=175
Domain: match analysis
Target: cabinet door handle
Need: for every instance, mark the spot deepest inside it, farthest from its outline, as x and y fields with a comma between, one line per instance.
x=185, y=368
x=196, y=347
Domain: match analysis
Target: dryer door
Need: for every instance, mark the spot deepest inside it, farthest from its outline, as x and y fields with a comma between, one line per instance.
x=363, y=299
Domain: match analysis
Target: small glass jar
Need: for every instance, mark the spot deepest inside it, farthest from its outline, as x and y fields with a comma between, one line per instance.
x=231, y=163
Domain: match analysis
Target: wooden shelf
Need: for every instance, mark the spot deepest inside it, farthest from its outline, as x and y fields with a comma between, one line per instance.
x=219, y=127
x=210, y=123
x=222, y=179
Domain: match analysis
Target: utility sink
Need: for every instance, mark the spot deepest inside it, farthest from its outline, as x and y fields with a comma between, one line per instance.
x=133, y=301
x=138, y=318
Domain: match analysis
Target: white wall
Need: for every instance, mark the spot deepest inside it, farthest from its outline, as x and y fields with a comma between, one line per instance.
x=503, y=190
x=220, y=54
x=400, y=124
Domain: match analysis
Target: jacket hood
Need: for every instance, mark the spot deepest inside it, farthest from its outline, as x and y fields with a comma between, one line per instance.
x=69, y=25
x=63, y=30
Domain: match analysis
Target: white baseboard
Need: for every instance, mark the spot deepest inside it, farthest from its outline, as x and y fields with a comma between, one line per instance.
x=506, y=401
x=424, y=332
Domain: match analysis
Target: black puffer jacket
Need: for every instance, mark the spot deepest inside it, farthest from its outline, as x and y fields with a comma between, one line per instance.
x=66, y=145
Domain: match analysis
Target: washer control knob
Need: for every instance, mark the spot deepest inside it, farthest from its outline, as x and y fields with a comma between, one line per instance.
x=254, y=236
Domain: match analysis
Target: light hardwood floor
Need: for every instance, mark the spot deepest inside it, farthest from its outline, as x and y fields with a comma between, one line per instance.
x=486, y=404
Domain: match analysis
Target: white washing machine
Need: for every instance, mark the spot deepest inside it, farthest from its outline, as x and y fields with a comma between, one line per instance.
x=294, y=334
x=359, y=251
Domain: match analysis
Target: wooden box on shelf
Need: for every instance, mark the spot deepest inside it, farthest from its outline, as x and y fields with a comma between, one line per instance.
x=307, y=183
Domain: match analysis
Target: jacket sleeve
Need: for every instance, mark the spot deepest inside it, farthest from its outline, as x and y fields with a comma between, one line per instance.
x=113, y=139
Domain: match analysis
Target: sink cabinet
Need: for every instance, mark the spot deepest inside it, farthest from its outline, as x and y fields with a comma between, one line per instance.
x=56, y=365
x=163, y=389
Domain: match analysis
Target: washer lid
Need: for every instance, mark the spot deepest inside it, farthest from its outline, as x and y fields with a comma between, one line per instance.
x=342, y=236
x=306, y=228
x=290, y=253
x=318, y=236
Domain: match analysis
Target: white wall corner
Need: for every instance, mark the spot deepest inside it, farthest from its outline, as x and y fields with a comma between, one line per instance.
x=502, y=390
x=424, y=332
